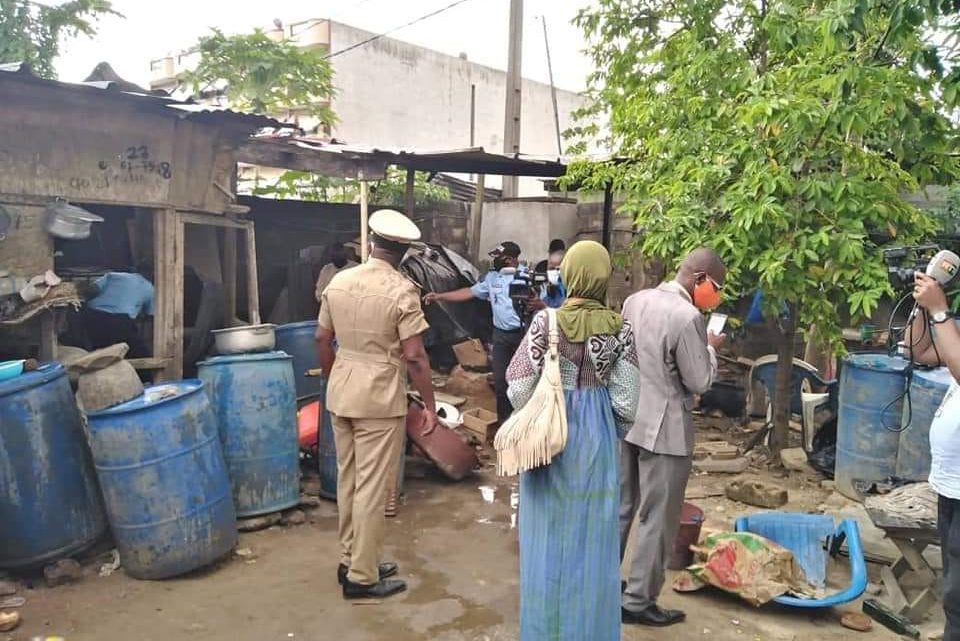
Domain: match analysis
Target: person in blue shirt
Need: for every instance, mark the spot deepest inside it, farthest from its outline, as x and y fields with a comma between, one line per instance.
x=507, y=324
x=554, y=293
x=110, y=315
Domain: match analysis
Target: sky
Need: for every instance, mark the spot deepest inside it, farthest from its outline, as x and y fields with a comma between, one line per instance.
x=475, y=27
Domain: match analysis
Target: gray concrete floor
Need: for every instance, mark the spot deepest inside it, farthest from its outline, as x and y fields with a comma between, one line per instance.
x=456, y=546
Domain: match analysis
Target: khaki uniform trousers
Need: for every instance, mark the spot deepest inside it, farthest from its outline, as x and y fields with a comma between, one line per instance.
x=368, y=454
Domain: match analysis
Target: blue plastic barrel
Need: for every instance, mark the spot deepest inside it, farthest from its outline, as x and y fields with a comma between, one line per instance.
x=872, y=388
x=253, y=398
x=927, y=389
x=298, y=340
x=50, y=504
x=326, y=449
x=164, y=480
x=327, y=457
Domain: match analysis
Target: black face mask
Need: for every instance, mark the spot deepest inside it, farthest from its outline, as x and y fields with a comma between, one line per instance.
x=339, y=261
x=499, y=262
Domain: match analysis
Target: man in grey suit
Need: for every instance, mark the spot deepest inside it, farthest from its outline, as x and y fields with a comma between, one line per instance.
x=677, y=361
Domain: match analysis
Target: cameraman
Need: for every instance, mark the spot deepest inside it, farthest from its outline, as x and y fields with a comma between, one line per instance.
x=508, y=327
x=939, y=344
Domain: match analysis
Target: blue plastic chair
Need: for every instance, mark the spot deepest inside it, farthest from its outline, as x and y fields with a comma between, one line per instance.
x=813, y=538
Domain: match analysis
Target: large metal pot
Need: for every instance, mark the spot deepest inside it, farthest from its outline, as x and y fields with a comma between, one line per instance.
x=68, y=221
x=245, y=340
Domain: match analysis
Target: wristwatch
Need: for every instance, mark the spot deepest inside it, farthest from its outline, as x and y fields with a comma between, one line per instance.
x=939, y=317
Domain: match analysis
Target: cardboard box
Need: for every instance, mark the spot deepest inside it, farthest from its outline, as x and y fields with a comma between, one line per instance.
x=471, y=355
x=480, y=422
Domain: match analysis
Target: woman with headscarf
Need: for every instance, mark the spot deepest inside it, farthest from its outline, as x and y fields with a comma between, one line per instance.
x=569, y=531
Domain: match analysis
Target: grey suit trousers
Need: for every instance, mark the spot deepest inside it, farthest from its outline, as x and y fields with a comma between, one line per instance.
x=652, y=487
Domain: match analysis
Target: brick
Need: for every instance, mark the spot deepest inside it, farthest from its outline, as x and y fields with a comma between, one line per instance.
x=716, y=450
x=722, y=466
x=757, y=493
x=795, y=460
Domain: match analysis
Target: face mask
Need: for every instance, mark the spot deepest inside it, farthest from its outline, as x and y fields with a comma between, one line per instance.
x=705, y=295
x=499, y=262
x=553, y=276
x=339, y=261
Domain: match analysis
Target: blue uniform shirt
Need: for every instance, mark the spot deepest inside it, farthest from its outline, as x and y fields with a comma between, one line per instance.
x=556, y=300
x=123, y=293
x=495, y=287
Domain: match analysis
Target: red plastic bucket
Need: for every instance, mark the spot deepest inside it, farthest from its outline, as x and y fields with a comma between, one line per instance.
x=691, y=520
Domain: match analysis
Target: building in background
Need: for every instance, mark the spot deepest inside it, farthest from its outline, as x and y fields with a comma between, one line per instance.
x=392, y=94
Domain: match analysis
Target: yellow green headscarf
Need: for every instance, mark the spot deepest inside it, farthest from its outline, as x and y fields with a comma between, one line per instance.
x=585, y=271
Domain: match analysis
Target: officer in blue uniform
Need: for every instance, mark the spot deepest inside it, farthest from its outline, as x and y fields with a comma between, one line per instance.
x=507, y=324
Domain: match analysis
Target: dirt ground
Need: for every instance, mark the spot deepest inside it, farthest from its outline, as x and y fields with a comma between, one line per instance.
x=457, y=547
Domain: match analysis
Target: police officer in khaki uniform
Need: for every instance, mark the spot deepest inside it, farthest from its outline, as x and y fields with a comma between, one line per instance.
x=374, y=314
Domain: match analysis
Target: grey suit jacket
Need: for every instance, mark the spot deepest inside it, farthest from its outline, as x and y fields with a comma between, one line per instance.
x=675, y=364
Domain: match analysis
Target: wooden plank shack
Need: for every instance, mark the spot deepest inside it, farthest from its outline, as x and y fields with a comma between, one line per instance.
x=92, y=144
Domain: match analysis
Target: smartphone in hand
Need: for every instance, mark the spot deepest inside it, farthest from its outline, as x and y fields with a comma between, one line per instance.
x=716, y=323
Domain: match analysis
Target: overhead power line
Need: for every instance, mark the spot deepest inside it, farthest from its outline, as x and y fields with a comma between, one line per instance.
x=394, y=30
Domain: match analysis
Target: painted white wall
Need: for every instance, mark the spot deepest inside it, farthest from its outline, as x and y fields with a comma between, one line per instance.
x=530, y=223
x=395, y=94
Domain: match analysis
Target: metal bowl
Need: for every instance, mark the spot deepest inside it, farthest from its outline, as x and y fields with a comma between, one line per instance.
x=245, y=340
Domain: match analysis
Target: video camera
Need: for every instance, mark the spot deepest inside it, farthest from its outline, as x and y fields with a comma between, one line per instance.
x=903, y=263
x=525, y=285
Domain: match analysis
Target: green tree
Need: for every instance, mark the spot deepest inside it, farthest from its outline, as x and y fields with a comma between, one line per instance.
x=32, y=32
x=783, y=133
x=392, y=190
x=388, y=192
x=257, y=73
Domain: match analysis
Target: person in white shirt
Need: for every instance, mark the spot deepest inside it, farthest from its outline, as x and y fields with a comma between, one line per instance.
x=341, y=258
x=939, y=344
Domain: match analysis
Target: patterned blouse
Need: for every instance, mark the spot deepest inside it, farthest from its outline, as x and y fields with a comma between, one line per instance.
x=602, y=361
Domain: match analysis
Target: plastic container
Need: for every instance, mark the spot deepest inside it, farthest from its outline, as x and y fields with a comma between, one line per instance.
x=164, y=481
x=299, y=340
x=872, y=389
x=927, y=389
x=326, y=448
x=50, y=504
x=10, y=369
x=691, y=521
x=254, y=402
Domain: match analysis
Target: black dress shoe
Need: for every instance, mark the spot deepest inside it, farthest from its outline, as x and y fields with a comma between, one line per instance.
x=652, y=615
x=387, y=570
x=380, y=590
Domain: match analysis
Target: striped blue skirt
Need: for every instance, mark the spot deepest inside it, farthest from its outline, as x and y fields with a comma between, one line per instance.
x=569, y=531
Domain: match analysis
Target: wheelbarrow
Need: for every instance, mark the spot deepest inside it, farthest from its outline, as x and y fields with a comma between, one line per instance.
x=813, y=538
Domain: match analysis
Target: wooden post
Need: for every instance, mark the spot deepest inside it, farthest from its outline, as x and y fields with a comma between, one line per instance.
x=48, y=336
x=229, y=275
x=168, y=291
x=411, y=196
x=476, y=221
x=253, y=284
x=364, y=215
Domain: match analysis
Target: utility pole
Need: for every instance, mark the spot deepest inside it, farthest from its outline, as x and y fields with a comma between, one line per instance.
x=511, y=126
x=553, y=88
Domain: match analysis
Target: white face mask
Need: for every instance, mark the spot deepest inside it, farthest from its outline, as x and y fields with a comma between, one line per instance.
x=553, y=276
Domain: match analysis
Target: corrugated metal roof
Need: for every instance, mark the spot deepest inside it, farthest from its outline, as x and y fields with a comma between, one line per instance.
x=21, y=72
x=464, y=190
x=472, y=160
